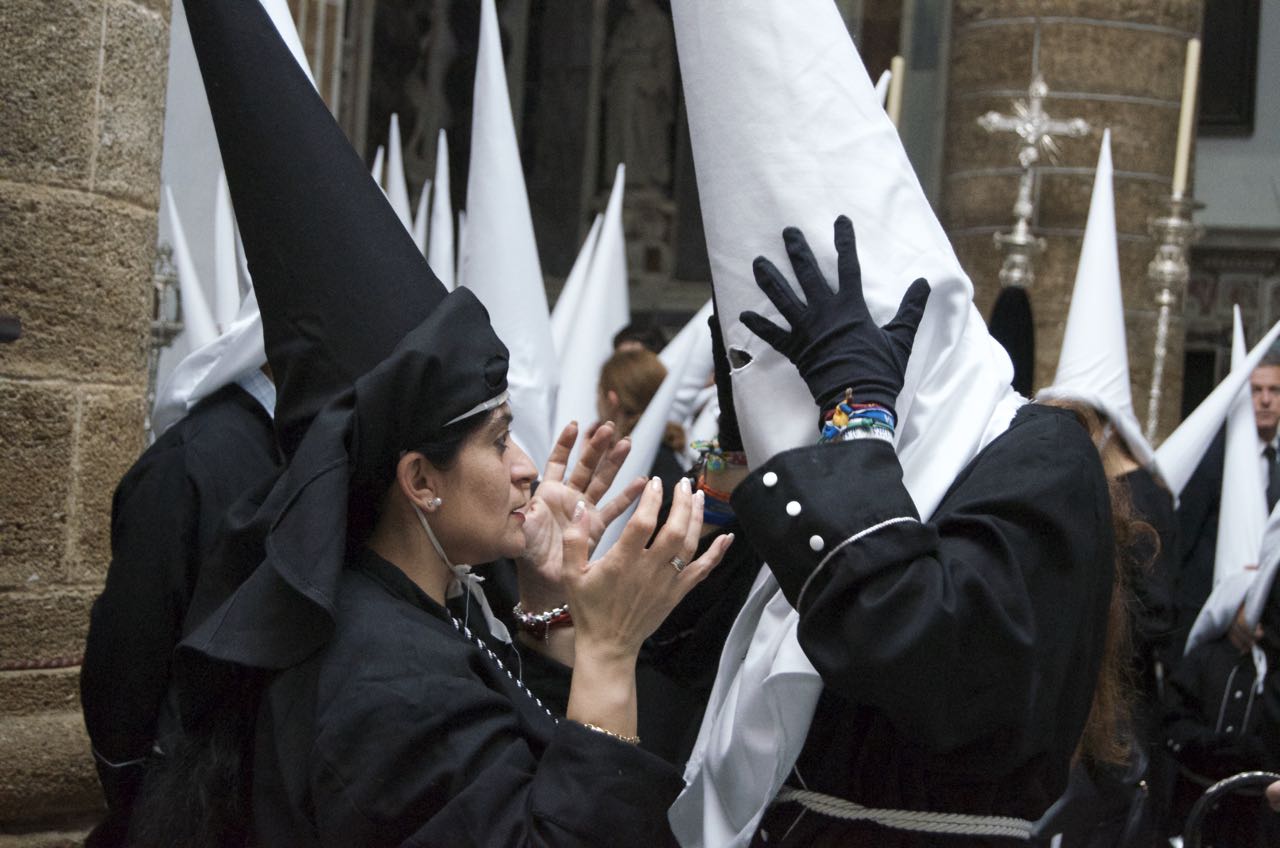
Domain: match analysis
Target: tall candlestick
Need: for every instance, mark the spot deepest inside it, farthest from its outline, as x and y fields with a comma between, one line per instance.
x=1186, y=118
x=897, y=69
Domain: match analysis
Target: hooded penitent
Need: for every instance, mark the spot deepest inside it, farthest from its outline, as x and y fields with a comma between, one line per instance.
x=395, y=183
x=371, y=356
x=500, y=257
x=564, y=314
x=420, y=220
x=593, y=312
x=1179, y=454
x=190, y=146
x=1093, y=366
x=786, y=129
x=440, y=242
x=1242, y=512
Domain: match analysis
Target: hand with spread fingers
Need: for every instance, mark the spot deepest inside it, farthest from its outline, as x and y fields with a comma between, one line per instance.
x=552, y=507
x=620, y=599
x=833, y=341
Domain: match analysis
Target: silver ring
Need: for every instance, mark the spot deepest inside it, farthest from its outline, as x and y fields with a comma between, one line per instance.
x=678, y=564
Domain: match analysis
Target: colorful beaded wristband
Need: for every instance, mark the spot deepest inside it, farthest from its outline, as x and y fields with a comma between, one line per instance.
x=713, y=458
x=716, y=510
x=847, y=418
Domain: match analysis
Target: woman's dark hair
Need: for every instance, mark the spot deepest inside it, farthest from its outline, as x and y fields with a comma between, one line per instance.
x=442, y=450
x=1108, y=733
x=365, y=500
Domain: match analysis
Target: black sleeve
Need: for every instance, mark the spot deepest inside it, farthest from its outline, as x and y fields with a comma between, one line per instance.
x=136, y=621
x=980, y=627
x=442, y=760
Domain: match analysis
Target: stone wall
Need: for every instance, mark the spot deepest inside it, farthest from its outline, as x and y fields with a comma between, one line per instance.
x=82, y=83
x=1116, y=63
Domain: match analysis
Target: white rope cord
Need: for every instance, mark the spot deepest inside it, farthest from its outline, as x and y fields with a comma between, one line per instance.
x=867, y=531
x=957, y=824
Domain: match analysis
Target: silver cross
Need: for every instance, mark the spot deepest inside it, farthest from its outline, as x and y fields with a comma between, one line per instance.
x=1035, y=130
x=1034, y=127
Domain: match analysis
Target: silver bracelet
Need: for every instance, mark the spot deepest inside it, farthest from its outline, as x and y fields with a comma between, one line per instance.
x=537, y=619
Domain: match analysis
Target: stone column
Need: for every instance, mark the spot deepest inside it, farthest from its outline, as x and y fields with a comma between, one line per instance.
x=1116, y=63
x=83, y=108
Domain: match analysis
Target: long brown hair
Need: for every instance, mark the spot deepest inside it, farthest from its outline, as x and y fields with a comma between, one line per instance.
x=1108, y=732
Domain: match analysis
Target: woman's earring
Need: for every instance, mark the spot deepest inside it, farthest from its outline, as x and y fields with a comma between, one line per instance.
x=434, y=503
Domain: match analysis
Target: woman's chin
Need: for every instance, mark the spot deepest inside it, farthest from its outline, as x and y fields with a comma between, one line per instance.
x=514, y=544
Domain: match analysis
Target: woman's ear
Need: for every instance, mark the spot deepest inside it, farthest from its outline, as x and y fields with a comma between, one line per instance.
x=419, y=481
x=612, y=397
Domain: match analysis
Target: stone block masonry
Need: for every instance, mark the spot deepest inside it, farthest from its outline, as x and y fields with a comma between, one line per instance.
x=82, y=83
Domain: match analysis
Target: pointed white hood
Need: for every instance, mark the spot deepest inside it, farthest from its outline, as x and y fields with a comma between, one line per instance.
x=226, y=295
x=602, y=309
x=503, y=268
x=395, y=184
x=1093, y=366
x=379, y=163
x=214, y=360
x=694, y=360
x=1268, y=565
x=191, y=166
x=420, y=218
x=440, y=242
x=206, y=370
x=1249, y=587
x=786, y=129
x=1179, y=454
x=565, y=311
x=198, y=324
x=882, y=86
x=1242, y=513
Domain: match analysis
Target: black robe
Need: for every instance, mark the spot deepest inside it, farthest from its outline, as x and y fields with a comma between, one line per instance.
x=1197, y=539
x=165, y=522
x=405, y=729
x=959, y=656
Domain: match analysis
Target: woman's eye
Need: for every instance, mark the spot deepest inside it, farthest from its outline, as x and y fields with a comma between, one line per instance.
x=501, y=442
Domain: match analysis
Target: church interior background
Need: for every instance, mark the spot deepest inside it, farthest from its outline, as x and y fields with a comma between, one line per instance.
x=592, y=82
x=595, y=82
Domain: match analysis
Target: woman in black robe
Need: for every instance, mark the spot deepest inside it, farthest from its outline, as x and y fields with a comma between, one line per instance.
x=959, y=656
x=357, y=665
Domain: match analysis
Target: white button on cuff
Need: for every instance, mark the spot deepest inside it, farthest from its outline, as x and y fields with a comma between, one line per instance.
x=793, y=508
x=769, y=479
x=817, y=543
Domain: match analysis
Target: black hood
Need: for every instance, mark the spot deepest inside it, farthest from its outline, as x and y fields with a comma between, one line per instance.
x=338, y=279
x=371, y=356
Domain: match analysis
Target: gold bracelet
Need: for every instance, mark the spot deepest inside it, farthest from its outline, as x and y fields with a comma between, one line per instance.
x=630, y=740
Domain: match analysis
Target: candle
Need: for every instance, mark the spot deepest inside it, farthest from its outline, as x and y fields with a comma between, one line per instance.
x=897, y=68
x=1186, y=118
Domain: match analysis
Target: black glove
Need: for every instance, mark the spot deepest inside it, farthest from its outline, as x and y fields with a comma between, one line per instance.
x=730, y=436
x=833, y=342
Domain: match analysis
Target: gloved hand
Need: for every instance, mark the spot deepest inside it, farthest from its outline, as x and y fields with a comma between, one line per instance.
x=730, y=436
x=833, y=341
